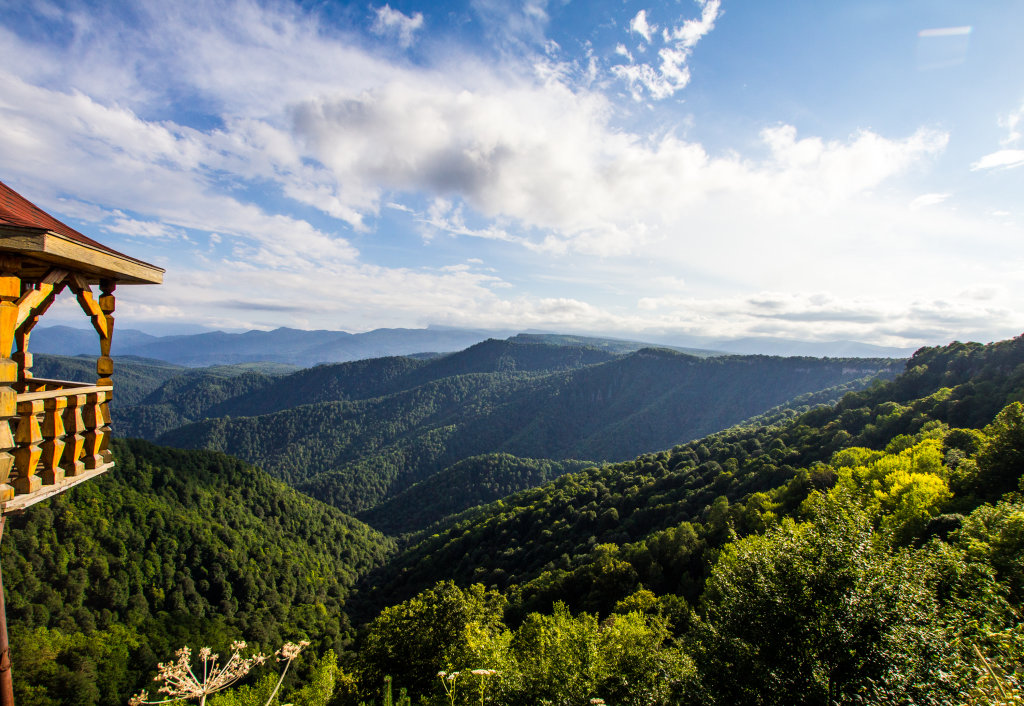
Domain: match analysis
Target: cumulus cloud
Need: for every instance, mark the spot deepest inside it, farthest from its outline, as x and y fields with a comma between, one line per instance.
x=1012, y=122
x=926, y=200
x=391, y=22
x=315, y=140
x=1003, y=159
x=671, y=73
x=1009, y=157
x=547, y=157
x=640, y=25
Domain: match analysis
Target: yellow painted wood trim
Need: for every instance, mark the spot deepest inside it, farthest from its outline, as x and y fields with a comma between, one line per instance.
x=54, y=247
x=20, y=502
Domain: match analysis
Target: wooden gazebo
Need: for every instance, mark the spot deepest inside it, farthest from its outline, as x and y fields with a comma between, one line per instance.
x=54, y=434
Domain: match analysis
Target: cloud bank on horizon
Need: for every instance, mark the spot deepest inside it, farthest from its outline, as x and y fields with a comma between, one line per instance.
x=693, y=169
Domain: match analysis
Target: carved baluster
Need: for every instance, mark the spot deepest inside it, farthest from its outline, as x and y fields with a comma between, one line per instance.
x=29, y=438
x=94, y=432
x=104, y=430
x=53, y=440
x=10, y=290
x=74, y=435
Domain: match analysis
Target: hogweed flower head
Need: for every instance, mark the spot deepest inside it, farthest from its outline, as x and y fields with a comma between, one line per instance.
x=179, y=681
x=291, y=650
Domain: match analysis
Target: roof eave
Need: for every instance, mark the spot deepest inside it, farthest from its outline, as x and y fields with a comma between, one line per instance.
x=52, y=247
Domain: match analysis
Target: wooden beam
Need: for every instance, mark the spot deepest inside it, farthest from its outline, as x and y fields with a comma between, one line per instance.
x=57, y=249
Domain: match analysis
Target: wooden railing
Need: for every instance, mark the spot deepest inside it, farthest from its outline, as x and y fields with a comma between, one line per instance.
x=61, y=437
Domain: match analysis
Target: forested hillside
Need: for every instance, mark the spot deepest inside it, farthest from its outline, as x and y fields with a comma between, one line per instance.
x=172, y=547
x=396, y=422
x=863, y=552
x=136, y=378
x=154, y=396
x=473, y=481
x=558, y=526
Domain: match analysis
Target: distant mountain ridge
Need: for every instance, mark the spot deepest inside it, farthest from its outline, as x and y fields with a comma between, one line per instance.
x=282, y=345
x=307, y=348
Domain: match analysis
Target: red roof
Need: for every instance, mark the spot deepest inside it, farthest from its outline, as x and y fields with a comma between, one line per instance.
x=16, y=210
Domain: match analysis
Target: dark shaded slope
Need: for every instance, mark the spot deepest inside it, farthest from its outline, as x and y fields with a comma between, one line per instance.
x=548, y=543
x=183, y=399
x=472, y=481
x=135, y=377
x=656, y=398
x=376, y=377
x=356, y=454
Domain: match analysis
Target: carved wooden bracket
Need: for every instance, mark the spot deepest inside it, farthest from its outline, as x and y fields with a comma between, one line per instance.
x=89, y=305
x=35, y=302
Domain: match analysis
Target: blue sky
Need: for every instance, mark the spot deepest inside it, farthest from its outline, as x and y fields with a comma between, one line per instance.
x=812, y=170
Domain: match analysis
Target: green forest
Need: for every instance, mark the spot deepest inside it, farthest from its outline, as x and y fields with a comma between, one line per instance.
x=358, y=435
x=855, y=546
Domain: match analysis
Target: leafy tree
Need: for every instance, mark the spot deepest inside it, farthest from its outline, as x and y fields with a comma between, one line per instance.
x=1001, y=460
x=810, y=613
x=444, y=628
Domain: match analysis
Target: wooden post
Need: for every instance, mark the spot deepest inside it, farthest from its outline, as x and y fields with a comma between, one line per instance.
x=6, y=683
x=10, y=291
x=22, y=357
x=105, y=364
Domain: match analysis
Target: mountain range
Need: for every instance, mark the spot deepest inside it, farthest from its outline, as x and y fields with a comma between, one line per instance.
x=305, y=348
x=372, y=436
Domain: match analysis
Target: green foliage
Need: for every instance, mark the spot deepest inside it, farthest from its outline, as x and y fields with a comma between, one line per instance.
x=317, y=688
x=538, y=544
x=57, y=668
x=565, y=659
x=445, y=628
x=473, y=481
x=358, y=434
x=1001, y=460
x=902, y=489
x=994, y=535
x=182, y=399
x=842, y=553
x=558, y=658
x=812, y=612
x=171, y=548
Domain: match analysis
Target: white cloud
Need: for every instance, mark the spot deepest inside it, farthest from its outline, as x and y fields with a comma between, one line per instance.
x=1013, y=121
x=1008, y=158
x=391, y=22
x=446, y=217
x=143, y=229
x=672, y=74
x=519, y=163
x=926, y=200
x=1003, y=159
x=514, y=26
x=640, y=25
